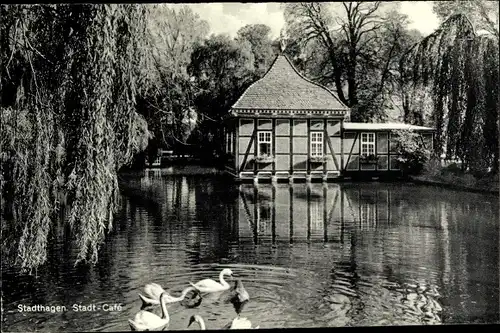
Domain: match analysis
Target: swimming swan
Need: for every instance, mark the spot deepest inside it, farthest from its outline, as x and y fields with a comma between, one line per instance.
x=240, y=294
x=168, y=298
x=153, y=290
x=147, y=321
x=199, y=320
x=211, y=286
x=236, y=324
x=239, y=323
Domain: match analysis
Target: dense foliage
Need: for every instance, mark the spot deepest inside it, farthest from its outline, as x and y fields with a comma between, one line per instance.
x=483, y=14
x=168, y=106
x=198, y=77
x=223, y=68
x=459, y=69
x=261, y=45
x=70, y=78
x=412, y=154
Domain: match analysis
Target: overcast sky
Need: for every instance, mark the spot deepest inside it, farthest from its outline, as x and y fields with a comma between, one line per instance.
x=229, y=17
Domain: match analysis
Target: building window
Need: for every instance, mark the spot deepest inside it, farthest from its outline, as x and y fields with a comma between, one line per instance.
x=367, y=143
x=316, y=144
x=264, y=140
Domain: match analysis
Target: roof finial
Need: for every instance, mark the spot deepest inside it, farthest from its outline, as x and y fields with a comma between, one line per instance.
x=283, y=40
x=282, y=46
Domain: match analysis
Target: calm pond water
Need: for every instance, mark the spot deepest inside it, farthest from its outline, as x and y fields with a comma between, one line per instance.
x=349, y=254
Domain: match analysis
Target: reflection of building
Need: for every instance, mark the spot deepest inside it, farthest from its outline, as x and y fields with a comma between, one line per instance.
x=264, y=218
x=288, y=127
x=308, y=212
x=317, y=215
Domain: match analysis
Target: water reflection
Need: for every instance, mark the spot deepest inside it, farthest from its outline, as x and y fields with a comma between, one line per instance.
x=310, y=212
x=399, y=233
x=308, y=254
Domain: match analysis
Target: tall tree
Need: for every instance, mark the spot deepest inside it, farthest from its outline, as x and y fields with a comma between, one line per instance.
x=168, y=107
x=74, y=72
x=379, y=82
x=461, y=68
x=175, y=30
x=258, y=37
x=359, y=43
x=483, y=14
x=223, y=68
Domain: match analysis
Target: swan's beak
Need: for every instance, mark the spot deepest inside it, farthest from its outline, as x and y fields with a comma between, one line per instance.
x=191, y=320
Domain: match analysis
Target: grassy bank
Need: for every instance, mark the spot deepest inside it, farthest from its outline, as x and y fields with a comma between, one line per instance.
x=452, y=178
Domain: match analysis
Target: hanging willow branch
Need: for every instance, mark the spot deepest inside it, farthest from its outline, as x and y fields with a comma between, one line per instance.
x=461, y=69
x=78, y=70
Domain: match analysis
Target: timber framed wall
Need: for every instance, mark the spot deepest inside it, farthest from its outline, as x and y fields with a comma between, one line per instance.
x=231, y=147
x=290, y=146
x=384, y=150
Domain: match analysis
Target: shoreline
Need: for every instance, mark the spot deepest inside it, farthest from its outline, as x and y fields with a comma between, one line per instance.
x=198, y=170
x=434, y=182
x=177, y=170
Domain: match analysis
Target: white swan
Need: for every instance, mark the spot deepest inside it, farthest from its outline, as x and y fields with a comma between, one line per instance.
x=153, y=290
x=211, y=286
x=147, y=321
x=239, y=323
x=168, y=298
x=199, y=320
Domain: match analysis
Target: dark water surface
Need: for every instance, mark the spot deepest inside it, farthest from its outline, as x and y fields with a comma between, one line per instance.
x=350, y=254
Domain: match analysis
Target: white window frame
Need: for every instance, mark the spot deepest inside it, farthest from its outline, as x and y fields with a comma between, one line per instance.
x=265, y=137
x=368, y=141
x=316, y=138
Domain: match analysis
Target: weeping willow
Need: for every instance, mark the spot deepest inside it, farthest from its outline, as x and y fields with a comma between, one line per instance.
x=70, y=77
x=460, y=70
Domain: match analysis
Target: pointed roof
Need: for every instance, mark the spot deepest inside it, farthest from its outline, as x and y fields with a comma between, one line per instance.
x=284, y=88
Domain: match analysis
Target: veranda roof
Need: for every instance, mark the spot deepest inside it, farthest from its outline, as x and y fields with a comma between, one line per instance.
x=284, y=88
x=384, y=126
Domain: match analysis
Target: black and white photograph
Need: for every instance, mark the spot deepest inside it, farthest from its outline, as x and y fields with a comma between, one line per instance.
x=249, y=165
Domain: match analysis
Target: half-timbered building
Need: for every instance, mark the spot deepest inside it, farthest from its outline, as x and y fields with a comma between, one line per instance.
x=285, y=126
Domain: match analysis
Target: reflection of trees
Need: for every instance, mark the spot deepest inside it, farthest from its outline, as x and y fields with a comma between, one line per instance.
x=189, y=211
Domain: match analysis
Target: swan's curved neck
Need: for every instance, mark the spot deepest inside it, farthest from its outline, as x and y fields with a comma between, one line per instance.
x=184, y=292
x=222, y=281
x=164, y=312
x=201, y=323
